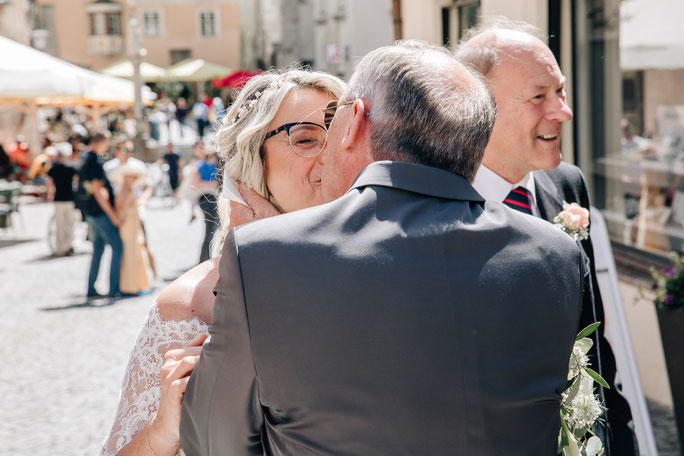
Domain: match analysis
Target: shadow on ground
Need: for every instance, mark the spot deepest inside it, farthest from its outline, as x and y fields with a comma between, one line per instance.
x=12, y=242
x=51, y=257
x=87, y=304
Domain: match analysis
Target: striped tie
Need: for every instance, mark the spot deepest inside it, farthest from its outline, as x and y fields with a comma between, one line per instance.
x=520, y=199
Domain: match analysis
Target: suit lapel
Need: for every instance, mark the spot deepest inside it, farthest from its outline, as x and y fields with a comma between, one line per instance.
x=549, y=202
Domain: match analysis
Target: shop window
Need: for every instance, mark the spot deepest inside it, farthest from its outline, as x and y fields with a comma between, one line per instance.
x=641, y=178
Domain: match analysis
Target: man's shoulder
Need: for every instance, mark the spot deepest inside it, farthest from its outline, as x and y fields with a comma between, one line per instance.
x=298, y=226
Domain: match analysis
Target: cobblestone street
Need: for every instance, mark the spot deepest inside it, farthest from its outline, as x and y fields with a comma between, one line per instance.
x=63, y=358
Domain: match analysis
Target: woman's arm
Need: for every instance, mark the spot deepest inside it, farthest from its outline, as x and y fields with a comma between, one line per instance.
x=160, y=437
x=148, y=398
x=102, y=198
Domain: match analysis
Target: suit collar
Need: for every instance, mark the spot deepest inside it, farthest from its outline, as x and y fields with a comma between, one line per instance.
x=495, y=188
x=416, y=178
x=549, y=201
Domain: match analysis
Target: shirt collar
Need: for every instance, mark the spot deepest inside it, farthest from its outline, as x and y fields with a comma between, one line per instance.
x=495, y=188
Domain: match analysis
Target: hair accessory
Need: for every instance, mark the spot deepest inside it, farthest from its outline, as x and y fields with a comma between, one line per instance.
x=249, y=104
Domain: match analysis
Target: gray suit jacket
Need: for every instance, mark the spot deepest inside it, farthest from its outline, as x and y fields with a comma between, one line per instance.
x=407, y=317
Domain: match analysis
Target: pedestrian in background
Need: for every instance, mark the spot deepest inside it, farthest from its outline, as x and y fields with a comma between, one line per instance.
x=61, y=191
x=175, y=163
x=135, y=259
x=100, y=214
x=181, y=113
x=205, y=180
x=201, y=112
x=142, y=188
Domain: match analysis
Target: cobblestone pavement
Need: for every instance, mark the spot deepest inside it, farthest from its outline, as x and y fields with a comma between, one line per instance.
x=63, y=359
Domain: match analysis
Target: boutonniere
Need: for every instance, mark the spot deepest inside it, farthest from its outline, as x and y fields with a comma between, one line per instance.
x=574, y=220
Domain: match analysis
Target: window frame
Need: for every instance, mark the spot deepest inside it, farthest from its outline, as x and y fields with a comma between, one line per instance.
x=217, y=23
x=160, y=22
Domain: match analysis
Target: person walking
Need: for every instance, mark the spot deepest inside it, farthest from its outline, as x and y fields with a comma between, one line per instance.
x=175, y=163
x=100, y=214
x=60, y=188
x=205, y=180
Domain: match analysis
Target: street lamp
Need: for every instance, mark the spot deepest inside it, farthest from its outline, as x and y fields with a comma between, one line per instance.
x=138, y=53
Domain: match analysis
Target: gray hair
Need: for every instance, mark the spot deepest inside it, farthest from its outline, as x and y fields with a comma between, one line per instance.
x=425, y=107
x=479, y=46
x=241, y=133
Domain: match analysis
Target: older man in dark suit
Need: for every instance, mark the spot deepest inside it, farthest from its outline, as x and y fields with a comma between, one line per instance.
x=522, y=168
x=406, y=316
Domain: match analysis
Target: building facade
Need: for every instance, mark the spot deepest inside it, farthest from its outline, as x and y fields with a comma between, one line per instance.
x=14, y=20
x=327, y=35
x=95, y=34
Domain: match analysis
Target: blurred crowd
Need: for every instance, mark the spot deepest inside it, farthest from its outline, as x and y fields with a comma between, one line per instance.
x=89, y=171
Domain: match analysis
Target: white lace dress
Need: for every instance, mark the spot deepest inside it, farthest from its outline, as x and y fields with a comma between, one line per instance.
x=140, y=390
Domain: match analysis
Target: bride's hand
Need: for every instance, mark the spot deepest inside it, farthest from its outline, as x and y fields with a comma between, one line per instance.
x=259, y=208
x=175, y=372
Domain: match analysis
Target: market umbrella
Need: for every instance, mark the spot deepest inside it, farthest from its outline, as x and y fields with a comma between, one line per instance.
x=124, y=69
x=27, y=74
x=30, y=79
x=196, y=70
x=235, y=80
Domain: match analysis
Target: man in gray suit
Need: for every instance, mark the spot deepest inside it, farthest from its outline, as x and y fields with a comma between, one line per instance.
x=405, y=316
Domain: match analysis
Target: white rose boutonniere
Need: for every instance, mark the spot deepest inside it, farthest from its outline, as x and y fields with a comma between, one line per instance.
x=574, y=220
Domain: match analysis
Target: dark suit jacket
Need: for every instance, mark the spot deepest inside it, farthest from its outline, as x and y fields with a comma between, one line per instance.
x=566, y=183
x=407, y=317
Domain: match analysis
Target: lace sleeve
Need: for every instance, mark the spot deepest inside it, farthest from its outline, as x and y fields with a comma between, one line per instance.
x=140, y=390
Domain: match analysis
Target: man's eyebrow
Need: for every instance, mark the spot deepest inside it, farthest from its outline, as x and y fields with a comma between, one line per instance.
x=546, y=86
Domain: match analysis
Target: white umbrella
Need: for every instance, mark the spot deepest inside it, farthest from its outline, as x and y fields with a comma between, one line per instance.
x=31, y=78
x=27, y=74
x=197, y=70
x=124, y=69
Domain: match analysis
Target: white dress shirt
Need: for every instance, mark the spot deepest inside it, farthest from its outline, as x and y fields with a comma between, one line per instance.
x=493, y=187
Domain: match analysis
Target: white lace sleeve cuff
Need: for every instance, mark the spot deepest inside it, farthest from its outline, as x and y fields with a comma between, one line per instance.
x=140, y=390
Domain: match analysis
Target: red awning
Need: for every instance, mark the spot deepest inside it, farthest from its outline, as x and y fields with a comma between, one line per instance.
x=235, y=80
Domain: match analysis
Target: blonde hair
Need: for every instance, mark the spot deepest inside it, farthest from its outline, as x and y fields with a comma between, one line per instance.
x=241, y=133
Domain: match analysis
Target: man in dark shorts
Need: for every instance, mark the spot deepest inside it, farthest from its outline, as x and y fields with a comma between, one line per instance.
x=100, y=215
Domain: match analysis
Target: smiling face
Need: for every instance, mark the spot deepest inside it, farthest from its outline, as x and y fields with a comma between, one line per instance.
x=294, y=181
x=530, y=95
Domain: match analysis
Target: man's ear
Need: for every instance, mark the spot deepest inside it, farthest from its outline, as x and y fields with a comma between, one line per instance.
x=356, y=127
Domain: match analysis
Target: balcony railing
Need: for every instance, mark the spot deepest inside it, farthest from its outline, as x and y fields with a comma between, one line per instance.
x=106, y=45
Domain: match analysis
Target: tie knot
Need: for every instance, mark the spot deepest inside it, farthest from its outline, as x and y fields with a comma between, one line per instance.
x=520, y=199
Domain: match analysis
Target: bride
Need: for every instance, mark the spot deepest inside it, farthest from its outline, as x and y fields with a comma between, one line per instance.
x=270, y=139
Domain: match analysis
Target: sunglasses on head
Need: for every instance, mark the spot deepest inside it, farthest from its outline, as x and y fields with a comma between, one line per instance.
x=331, y=109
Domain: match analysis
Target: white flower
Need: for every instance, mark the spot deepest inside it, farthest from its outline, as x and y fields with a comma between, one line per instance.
x=594, y=446
x=578, y=360
x=585, y=409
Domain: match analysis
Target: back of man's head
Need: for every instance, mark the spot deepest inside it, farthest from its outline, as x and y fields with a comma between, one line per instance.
x=482, y=45
x=98, y=138
x=425, y=107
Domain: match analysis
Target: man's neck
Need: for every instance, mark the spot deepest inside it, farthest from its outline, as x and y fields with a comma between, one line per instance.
x=511, y=174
